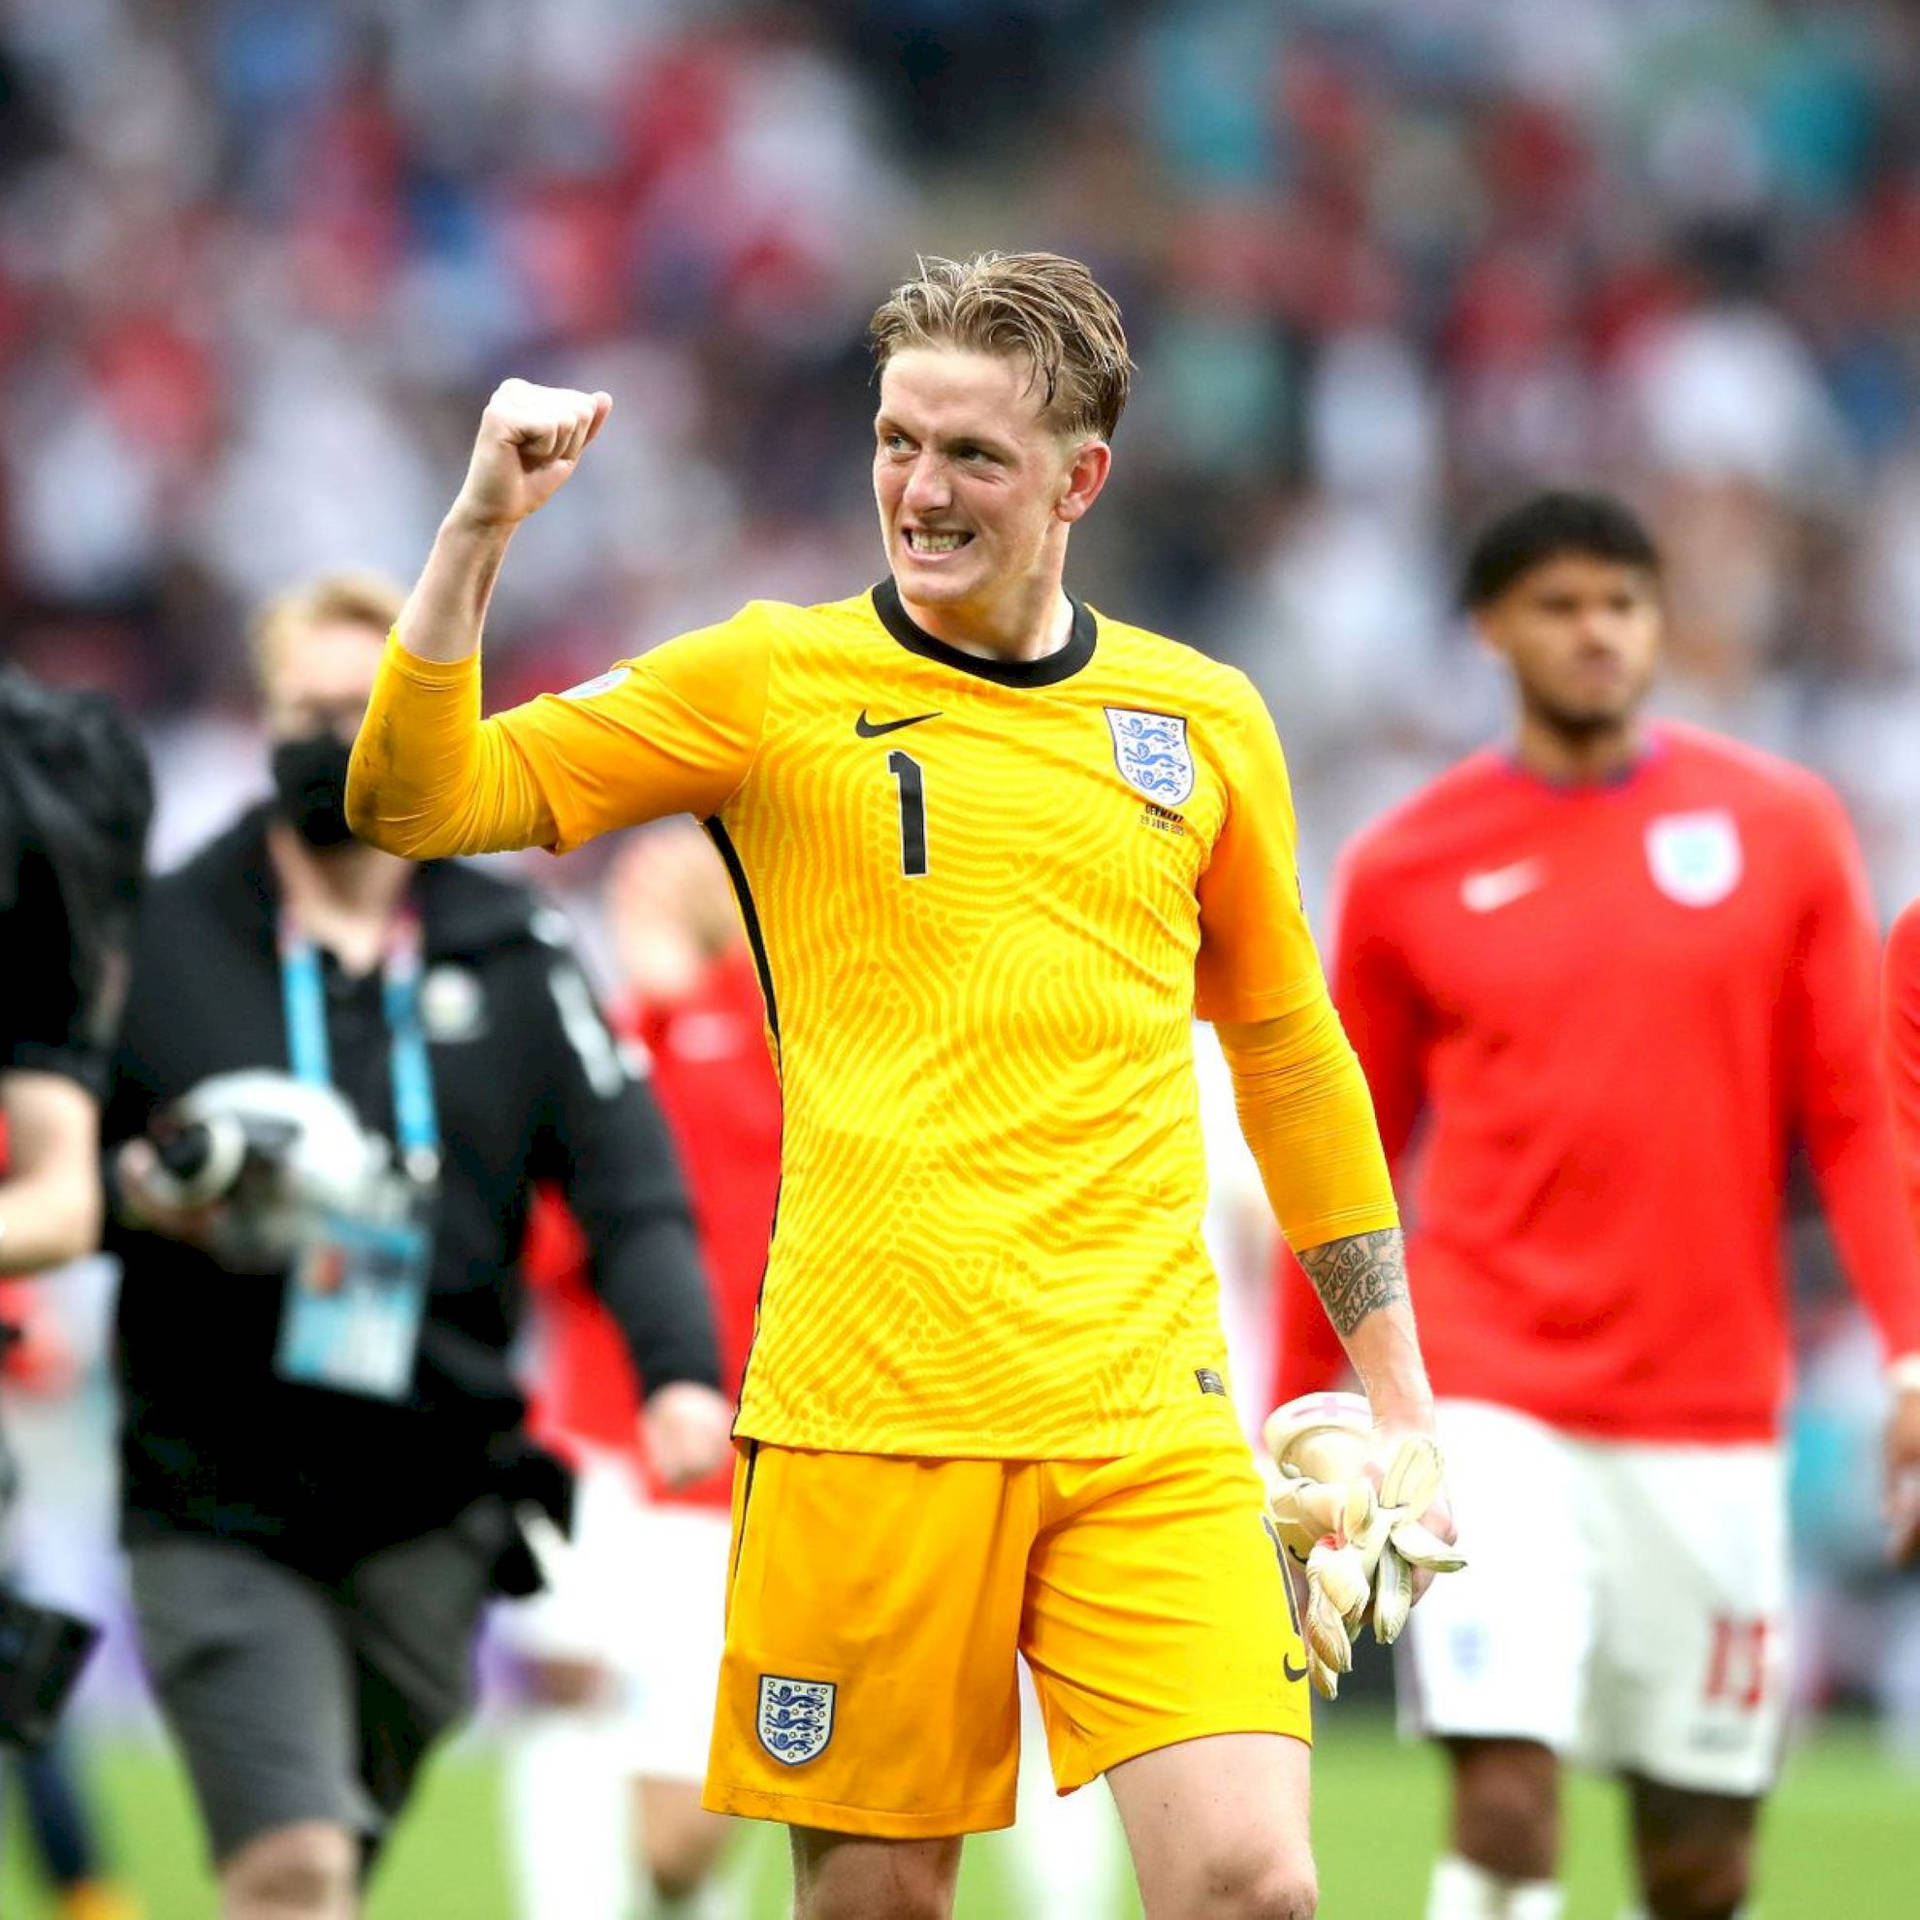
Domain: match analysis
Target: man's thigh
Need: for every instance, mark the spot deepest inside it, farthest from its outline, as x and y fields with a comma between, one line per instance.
x=412, y=1616
x=873, y=1611
x=1693, y=1640
x=1502, y=1649
x=1219, y=1825
x=1158, y=1607
x=256, y=1682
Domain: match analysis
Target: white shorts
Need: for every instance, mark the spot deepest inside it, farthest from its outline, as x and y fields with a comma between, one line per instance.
x=1625, y=1605
x=640, y=1589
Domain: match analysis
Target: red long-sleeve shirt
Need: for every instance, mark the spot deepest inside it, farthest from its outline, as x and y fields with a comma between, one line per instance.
x=1900, y=1004
x=1603, y=1014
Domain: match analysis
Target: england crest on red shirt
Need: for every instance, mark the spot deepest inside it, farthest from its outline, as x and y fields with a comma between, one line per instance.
x=1695, y=858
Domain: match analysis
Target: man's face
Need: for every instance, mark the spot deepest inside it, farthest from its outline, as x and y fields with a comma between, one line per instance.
x=972, y=482
x=1582, y=635
x=321, y=679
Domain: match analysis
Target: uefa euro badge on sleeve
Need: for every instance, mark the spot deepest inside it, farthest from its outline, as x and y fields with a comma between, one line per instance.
x=355, y=1300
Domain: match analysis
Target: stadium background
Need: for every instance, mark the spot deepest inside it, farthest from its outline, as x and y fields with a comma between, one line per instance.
x=1383, y=261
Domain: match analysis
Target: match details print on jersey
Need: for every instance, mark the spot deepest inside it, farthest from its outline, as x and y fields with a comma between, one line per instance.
x=982, y=896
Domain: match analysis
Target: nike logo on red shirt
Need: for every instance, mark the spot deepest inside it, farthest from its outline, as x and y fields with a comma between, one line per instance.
x=1500, y=887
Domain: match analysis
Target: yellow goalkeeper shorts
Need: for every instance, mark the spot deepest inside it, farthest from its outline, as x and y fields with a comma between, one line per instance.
x=876, y=1604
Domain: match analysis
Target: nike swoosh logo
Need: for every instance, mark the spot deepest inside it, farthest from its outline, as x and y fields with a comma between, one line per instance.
x=873, y=729
x=1292, y=1672
x=1501, y=886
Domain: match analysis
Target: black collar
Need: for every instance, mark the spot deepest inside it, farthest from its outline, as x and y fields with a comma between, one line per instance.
x=1048, y=671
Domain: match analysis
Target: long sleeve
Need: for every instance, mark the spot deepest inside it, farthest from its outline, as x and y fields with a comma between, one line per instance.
x=1900, y=1046
x=1303, y=1108
x=1840, y=1085
x=1381, y=1016
x=674, y=731
x=429, y=778
x=1380, y=1009
x=604, y=1140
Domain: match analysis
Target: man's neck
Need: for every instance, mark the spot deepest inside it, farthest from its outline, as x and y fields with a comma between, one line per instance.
x=1578, y=757
x=342, y=897
x=1025, y=626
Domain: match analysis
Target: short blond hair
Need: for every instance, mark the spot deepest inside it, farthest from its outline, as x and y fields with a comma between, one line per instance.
x=356, y=599
x=1041, y=307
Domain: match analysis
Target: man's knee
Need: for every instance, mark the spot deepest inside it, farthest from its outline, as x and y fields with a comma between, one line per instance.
x=1506, y=1806
x=1695, y=1851
x=310, y=1870
x=1281, y=1892
x=1702, y=1877
x=904, y=1895
x=1252, y=1885
x=844, y=1877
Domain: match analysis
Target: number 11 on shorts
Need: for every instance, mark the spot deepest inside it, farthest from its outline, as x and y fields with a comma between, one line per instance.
x=1737, y=1665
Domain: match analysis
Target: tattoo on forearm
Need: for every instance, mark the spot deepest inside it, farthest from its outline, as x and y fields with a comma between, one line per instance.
x=1358, y=1275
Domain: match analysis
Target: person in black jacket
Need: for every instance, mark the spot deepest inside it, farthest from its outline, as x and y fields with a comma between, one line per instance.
x=322, y=1441
x=75, y=798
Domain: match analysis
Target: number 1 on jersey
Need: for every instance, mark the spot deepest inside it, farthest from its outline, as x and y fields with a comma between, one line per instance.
x=913, y=813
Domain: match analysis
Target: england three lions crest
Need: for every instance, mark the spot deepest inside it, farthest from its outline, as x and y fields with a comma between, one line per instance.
x=796, y=1718
x=1151, y=751
x=1695, y=858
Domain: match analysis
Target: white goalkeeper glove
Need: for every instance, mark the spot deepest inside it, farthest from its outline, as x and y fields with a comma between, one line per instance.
x=1359, y=1546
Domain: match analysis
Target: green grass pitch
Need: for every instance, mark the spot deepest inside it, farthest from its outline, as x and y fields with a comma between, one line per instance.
x=1842, y=1838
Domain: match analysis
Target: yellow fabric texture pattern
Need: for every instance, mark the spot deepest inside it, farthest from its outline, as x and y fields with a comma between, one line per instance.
x=951, y=1564
x=1308, y=1120
x=986, y=900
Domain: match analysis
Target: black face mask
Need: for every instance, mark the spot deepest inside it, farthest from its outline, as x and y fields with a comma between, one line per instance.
x=310, y=777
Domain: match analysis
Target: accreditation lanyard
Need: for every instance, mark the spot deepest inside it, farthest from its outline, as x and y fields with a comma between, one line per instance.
x=310, y=1054
x=358, y=1291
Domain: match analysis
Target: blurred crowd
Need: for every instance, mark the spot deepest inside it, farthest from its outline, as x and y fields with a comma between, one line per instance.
x=1384, y=262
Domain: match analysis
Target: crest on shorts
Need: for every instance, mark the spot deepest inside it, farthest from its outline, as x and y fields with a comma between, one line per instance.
x=1151, y=751
x=796, y=1718
x=1695, y=858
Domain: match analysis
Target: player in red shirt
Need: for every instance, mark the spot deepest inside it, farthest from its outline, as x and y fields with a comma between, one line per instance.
x=631, y=1627
x=1602, y=978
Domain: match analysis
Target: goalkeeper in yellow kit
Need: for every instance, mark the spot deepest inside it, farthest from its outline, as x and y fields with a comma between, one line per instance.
x=993, y=851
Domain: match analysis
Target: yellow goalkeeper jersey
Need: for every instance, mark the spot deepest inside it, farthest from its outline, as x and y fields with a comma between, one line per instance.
x=985, y=900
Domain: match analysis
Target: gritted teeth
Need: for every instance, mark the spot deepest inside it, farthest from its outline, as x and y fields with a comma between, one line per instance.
x=928, y=540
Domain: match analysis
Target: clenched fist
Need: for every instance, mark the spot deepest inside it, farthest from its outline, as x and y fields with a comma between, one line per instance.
x=530, y=440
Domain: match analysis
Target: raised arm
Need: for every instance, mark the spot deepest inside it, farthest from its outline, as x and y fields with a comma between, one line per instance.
x=530, y=440
x=428, y=778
